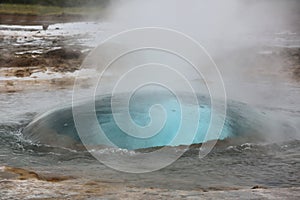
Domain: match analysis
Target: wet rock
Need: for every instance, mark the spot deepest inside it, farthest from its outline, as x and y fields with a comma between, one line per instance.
x=63, y=54
x=24, y=61
x=258, y=187
x=27, y=175
x=23, y=73
x=85, y=189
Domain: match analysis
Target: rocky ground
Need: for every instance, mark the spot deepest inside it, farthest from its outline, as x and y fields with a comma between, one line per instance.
x=58, y=60
x=32, y=58
x=52, y=68
x=24, y=184
x=29, y=53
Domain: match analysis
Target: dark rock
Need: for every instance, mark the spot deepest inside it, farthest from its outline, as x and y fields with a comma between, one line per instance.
x=258, y=187
x=63, y=54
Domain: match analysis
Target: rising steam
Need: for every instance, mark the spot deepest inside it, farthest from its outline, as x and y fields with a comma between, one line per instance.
x=242, y=38
x=240, y=35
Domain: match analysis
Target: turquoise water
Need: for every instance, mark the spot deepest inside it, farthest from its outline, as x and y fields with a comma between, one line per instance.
x=168, y=125
x=176, y=130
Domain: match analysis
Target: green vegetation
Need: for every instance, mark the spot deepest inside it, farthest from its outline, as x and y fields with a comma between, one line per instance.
x=47, y=10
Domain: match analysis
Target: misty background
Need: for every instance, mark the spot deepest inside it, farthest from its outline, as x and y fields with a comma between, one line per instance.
x=254, y=44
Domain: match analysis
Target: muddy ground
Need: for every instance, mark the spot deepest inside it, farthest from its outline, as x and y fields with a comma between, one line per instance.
x=28, y=50
x=20, y=183
x=59, y=60
x=21, y=71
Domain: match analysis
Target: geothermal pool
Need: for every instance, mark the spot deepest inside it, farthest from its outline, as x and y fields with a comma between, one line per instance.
x=246, y=158
x=172, y=129
x=258, y=146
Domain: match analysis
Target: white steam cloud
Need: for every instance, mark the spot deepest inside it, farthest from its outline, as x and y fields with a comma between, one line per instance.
x=243, y=38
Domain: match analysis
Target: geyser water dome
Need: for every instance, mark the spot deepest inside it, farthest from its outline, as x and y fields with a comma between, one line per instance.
x=166, y=124
x=57, y=127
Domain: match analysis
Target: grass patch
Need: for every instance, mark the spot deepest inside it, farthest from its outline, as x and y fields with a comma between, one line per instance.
x=47, y=10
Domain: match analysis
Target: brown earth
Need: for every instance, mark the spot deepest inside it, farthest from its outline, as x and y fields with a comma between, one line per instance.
x=24, y=59
x=59, y=60
x=24, y=174
x=25, y=19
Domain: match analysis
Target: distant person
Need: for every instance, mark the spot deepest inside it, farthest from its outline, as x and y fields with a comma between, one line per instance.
x=45, y=26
